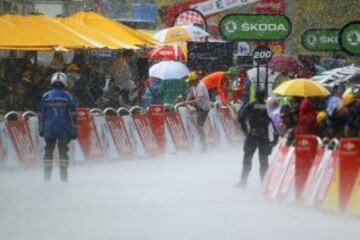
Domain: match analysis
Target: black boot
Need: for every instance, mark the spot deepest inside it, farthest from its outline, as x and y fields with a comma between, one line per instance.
x=64, y=170
x=47, y=169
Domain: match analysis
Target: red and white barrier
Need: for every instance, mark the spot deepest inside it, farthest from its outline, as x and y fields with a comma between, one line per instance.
x=146, y=134
x=191, y=130
x=315, y=176
x=231, y=128
x=104, y=133
x=119, y=134
x=20, y=137
x=156, y=115
x=88, y=136
x=177, y=131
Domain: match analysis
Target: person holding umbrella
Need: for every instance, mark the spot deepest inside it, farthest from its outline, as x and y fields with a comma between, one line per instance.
x=199, y=97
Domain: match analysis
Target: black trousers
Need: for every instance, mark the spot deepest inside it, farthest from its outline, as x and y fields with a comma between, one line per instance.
x=62, y=145
x=201, y=118
x=251, y=144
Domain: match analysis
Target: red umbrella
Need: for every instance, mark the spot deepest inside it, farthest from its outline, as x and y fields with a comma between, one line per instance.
x=285, y=64
x=166, y=53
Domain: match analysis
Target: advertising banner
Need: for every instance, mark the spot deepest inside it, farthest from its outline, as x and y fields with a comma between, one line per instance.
x=280, y=174
x=349, y=168
x=232, y=130
x=211, y=7
x=305, y=153
x=321, y=39
x=105, y=137
x=350, y=38
x=38, y=142
x=270, y=176
x=190, y=127
x=9, y=157
x=255, y=27
x=325, y=182
x=156, y=115
x=143, y=126
x=134, y=136
x=87, y=135
x=270, y=6
x=20, y=137
x=177, y=131
x=218, y=128
x=316, y=176
x=119, y=135
x=210, y=56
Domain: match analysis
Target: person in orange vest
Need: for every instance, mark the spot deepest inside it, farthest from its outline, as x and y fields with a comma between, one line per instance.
x=218, y=83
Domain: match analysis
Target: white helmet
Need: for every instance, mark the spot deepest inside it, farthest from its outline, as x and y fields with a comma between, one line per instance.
x=59, y=77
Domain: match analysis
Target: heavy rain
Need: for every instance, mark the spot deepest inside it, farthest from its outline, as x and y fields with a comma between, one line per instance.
x=179, y=119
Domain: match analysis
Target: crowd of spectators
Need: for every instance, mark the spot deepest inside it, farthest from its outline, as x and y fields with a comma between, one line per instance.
x=332, y=117
x=92, y=80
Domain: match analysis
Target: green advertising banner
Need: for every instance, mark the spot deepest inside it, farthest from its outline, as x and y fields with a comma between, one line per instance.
x=350, y=38
x=321, y=39
x=252, y=27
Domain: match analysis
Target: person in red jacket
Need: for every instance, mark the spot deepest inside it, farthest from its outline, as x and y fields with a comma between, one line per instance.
x=218, y=83
x=306, y=123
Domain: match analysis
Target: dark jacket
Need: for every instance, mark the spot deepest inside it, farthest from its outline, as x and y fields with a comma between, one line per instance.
x=258, y=119
x=57, y=117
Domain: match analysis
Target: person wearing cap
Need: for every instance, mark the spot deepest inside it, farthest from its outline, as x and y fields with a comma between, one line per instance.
x=257, y=137
x=218, y=83
x=350, y=109
x=57, y=124
x=199, y=97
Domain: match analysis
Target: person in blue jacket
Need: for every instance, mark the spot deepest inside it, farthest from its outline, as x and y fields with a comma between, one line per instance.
x=57, y=124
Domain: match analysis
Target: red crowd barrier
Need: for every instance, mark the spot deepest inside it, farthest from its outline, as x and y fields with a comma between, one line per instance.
x=156, y=116
x=349, y=168
x=87, y=135
x=177, y=131
x=119, y=135
x=269, y=182
x=305, y=153
x=232, y=131
x=316, y=176
x=143, y=126
x=21, y=138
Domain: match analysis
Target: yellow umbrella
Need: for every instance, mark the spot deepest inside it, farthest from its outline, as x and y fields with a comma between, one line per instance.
x=301, y=88
x=180, y=33
x=114, y=29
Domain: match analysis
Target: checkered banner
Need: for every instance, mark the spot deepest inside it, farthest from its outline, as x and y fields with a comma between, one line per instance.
x=191, y=16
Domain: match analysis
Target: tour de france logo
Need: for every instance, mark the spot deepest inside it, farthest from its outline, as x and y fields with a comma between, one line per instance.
x=353, y=38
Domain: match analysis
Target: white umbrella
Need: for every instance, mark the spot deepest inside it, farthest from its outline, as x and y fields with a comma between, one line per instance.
x=169, y=70
x=338, y=75
x=180, y=33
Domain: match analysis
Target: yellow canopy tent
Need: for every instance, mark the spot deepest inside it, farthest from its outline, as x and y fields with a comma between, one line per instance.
x=14, y=38
x=43, y=31
x=91, y=32
x=114, y=29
